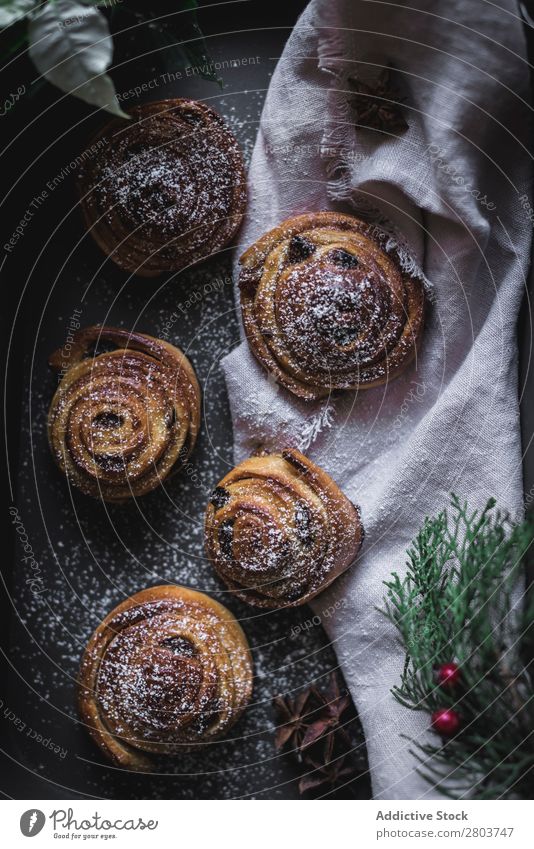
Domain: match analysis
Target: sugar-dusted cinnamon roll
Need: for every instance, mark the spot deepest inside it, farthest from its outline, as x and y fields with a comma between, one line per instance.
x=279, y=530
x=165, y=189
x=167, y=670
x=122, y=421
x=325, y=307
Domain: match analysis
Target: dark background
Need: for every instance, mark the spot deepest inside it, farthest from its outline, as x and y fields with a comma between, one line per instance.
x=92, y=555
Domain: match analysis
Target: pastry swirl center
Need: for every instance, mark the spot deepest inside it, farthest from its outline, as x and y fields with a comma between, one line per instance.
x=334, y=316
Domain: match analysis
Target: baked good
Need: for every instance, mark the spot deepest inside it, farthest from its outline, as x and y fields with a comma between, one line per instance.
x=279, y=530
x=325, y=307
x=123, y=420
x=167, y=670
x=163, y=190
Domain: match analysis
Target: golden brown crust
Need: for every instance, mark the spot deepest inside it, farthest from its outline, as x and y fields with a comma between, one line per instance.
x=326, y=308
x=279, y=530
x=164, y=190
x=167, y=670
x=122, y=421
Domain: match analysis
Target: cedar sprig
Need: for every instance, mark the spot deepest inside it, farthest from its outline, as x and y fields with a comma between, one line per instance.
x=459, y=602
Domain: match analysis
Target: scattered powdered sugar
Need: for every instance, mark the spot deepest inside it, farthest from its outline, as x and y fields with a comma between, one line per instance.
x=316, y=424
x=243, y=119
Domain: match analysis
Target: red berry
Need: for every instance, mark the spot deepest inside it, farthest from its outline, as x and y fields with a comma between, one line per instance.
x=446, y=722
x=448, y=674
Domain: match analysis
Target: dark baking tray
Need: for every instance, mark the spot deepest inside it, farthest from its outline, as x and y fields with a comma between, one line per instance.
x=90, y=555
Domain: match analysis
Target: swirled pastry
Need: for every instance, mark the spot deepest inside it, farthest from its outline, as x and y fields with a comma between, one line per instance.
x=122, y=421
x=279, y=530
x=165, y=189
x=167, y=670
x=325, y=307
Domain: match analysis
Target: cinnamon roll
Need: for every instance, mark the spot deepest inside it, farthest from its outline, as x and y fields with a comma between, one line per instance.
x=165, y=189
x=167, y=670
x=326, y=308
x=123, y=420
x=279, y=530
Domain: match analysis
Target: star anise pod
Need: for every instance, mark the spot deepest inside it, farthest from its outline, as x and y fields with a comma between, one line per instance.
x=377, y=106
x=293, y=716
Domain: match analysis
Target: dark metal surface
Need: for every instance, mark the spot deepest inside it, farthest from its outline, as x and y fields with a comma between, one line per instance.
x=91, y=556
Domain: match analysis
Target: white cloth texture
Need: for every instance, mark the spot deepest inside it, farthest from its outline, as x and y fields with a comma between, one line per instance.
x=456, y=186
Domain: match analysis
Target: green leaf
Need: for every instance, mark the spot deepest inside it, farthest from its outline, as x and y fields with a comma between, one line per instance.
x=71, y=46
